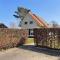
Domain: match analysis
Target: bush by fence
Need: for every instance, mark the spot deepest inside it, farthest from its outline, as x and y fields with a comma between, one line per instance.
x=12, y=37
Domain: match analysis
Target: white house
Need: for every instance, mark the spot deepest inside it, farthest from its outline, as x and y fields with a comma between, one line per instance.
x=31, y=21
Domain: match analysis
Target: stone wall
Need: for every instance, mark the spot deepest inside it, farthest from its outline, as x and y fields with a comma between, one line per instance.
x=12, y=37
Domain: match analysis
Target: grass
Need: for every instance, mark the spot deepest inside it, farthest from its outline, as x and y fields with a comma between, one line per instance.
x=29, y=40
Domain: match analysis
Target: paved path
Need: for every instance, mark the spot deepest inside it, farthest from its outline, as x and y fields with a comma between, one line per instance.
x=21, y=54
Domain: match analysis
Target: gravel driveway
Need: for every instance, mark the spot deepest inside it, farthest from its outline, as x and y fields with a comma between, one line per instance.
x=25, y=54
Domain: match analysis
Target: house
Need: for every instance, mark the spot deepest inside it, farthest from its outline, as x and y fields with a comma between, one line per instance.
x=3, y=26
x=31, y=21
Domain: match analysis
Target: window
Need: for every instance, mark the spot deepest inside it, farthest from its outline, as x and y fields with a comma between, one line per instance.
x=31, y=22
x=31, y=33
x=25, y=22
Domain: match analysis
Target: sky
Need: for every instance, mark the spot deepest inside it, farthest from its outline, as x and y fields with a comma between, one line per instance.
x=49, y=10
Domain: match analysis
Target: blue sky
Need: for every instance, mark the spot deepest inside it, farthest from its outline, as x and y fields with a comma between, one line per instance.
x=49, y=10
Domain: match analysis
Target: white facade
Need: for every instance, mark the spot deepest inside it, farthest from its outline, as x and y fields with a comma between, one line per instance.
x=29, y=23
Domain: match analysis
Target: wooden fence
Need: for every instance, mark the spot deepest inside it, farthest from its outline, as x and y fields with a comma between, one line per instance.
x=47, y=37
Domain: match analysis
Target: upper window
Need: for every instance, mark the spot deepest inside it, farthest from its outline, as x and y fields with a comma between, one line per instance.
x=31, y=22
x=25, y=22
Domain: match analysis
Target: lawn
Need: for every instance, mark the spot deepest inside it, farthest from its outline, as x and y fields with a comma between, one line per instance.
x=29, y=41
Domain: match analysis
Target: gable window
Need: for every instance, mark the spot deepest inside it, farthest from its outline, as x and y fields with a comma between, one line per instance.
x=25, y=22
x=31, y=22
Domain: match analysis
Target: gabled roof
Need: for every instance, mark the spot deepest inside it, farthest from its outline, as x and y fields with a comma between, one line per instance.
x=39, y=21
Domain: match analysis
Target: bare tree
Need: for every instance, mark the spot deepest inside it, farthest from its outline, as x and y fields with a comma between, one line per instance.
x=54, y=24
x=13, y=25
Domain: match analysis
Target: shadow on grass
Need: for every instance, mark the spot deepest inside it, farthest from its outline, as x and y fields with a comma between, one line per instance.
x=47, y=51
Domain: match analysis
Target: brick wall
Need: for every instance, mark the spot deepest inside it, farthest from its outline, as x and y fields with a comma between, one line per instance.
x=12, y=37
